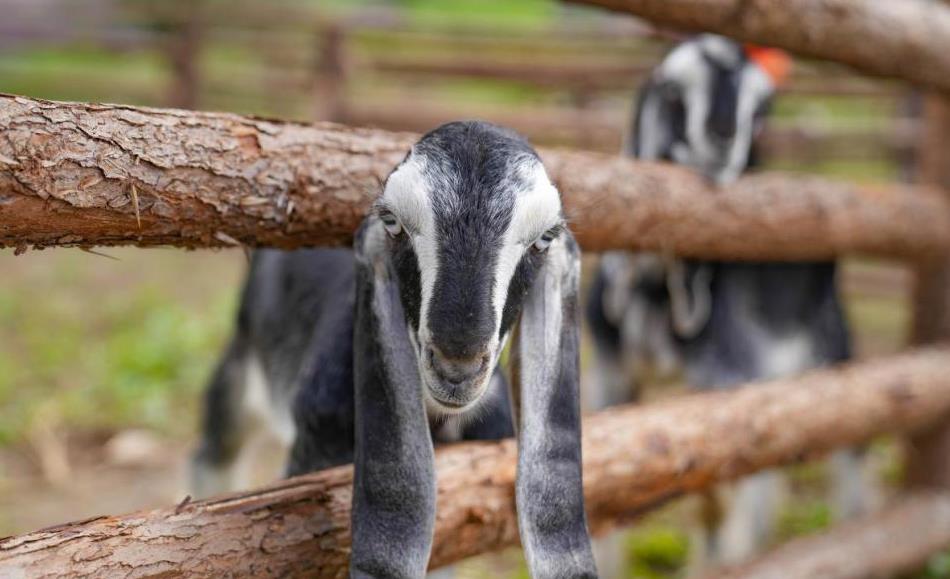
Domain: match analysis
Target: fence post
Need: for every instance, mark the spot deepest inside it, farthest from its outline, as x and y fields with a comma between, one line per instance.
x=183, y=48
x=330, y=74
x=929, y=451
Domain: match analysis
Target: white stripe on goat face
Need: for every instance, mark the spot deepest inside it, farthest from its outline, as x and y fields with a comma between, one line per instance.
x=537, y=209
x=407, y=195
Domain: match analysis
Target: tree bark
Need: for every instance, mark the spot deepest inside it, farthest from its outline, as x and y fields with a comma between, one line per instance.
x=84, y=174
x=909, y=39
x=634, y=458
x=895, y=541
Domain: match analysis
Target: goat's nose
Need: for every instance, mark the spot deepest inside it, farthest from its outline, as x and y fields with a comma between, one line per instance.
x=456, y=370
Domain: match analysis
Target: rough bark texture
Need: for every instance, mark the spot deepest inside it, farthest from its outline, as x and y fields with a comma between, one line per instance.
x=77, y=174
x=888, y=544
x=909, y=39
x=634, y=458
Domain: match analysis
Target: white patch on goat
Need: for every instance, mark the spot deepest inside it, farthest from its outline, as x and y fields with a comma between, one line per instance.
x=261, y=406
x=686, y=67
x=724, y=51
x=786, y=355
x=537, y=209
x=407, y=195
x=754, y=88
x=653, y=127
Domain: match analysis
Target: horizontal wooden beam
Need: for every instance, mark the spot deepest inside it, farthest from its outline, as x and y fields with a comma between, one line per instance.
x=891, y=543
x=592, y=75
x=909, y=39
x=635, y=458
x=74, y=174
x=599, y=130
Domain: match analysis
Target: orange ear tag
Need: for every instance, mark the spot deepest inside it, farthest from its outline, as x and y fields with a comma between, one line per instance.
x=776, y=63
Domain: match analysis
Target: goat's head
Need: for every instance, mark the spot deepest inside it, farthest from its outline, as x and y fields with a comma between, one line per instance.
x=705, y=102
x=469, y=215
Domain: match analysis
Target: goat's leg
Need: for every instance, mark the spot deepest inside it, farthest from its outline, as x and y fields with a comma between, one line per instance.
x=224, y=425
x=853, y=491
x=749, y=522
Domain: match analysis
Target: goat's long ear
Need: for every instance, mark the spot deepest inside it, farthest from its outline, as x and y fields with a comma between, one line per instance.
x=549, y=492
x=394, y=483
x=651, y=134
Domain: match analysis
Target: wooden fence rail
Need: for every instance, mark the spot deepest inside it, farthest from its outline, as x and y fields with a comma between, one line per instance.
x=78, y=174
x=593, y=74
x=913, y=45
x=887, y=544
x=635, y=458
x=603, y=130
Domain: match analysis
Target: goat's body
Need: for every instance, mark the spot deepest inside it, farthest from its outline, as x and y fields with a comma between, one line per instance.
x=289, y=371
x=767, y=320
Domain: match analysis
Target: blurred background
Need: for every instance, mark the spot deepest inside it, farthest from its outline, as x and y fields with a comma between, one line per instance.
x=103, y=356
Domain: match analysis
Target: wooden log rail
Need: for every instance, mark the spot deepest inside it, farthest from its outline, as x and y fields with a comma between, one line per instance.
x=82, y=174
x=887, y=544
x=909, y=40
x=593, y=75
x=603, y=131
x=635, y=458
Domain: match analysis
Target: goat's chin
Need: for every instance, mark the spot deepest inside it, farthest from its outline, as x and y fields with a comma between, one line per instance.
x=436, y=408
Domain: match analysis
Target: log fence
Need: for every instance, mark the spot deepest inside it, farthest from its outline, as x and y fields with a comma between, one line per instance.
x=75, y=174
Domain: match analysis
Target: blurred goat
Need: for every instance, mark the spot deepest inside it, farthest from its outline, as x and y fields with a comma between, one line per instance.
x=722, y=323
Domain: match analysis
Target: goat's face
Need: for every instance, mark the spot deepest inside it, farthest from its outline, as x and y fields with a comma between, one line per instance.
x=709, y=97
x=469, y=214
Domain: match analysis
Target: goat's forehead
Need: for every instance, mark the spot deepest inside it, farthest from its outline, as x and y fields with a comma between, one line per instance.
x=690, y=62
x=443, y=185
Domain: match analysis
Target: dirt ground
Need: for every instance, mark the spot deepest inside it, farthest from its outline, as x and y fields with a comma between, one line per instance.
x=92, y=482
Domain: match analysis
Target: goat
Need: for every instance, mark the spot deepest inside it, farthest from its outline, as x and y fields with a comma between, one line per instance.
x=723, y=323
x=369, y=355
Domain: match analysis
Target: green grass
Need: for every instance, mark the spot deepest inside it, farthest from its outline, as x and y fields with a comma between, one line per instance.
x=84, y=73
x=656, y=550
x=507, y=14
x=91, y=343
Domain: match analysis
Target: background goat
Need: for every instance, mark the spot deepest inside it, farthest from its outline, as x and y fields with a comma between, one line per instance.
x=722, y=323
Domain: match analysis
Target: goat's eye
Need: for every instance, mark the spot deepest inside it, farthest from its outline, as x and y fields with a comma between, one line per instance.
x=391, y=223
x=546, y=238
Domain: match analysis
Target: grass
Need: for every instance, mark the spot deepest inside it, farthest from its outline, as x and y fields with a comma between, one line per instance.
x=85, y=73
x=91, y=343
x=656, y=550
x=518, y=15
